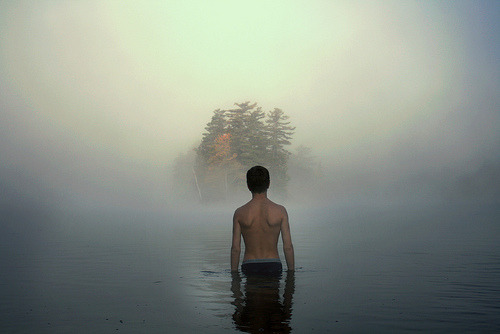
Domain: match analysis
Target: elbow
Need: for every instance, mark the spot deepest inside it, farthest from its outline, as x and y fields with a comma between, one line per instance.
x=235, y=250
x=288, y=248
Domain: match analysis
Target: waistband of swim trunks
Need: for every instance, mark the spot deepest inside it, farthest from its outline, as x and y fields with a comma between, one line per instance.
x=261, y=261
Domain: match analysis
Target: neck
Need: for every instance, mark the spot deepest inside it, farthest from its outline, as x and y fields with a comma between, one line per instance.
x=260, y=196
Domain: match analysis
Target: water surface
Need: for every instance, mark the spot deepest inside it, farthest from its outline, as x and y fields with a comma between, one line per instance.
x=383, y=269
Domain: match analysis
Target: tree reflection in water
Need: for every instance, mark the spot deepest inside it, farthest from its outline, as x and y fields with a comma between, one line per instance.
x=259, y=308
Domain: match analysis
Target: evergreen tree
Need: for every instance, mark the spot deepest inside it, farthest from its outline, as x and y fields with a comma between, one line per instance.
x=237, y=126
x=215, y=128
x=279, y=134
x=236, y=140
x=257, y=137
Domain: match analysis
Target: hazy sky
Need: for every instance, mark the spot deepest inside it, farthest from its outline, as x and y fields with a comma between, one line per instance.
x=97, y=94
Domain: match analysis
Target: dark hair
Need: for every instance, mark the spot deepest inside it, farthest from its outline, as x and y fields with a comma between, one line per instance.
x=258, y=179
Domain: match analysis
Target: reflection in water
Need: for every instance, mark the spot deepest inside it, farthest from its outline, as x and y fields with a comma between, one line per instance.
x=259, y=308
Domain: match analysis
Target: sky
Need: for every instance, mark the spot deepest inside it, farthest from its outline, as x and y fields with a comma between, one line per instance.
x=98, y=97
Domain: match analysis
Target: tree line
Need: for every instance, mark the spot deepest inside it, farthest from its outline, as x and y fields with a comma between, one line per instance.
x=235, y=140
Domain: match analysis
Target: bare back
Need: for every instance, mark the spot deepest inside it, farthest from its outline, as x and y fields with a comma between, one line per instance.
x=260, y=223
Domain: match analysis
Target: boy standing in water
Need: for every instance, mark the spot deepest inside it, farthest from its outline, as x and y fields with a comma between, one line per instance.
x=260, y=221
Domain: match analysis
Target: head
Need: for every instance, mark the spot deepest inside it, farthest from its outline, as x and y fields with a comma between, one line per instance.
x=258, y=179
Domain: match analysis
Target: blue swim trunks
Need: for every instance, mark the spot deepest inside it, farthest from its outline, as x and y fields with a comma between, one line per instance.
x=262, y=267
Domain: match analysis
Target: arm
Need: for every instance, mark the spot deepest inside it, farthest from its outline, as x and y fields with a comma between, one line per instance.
x=287, y=242
x=236, y=244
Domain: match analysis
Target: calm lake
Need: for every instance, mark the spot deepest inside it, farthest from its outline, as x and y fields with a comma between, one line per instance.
x=361, y=268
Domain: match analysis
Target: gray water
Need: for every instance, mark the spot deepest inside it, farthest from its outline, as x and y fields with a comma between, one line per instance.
x=360, y=269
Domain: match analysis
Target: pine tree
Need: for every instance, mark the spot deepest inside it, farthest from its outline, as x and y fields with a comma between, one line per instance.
x=215, y=128
x=237, y=126
x=236, y=140
x=257, y=137
x=279, y=134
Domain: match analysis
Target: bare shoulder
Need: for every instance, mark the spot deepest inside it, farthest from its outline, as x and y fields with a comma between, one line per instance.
x=238, y=211
x=278, y=208
x=241, y=210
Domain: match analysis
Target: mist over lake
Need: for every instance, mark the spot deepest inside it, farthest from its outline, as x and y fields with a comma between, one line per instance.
x=111, y=218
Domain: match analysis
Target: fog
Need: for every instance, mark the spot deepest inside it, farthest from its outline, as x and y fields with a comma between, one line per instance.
x=398, y=100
